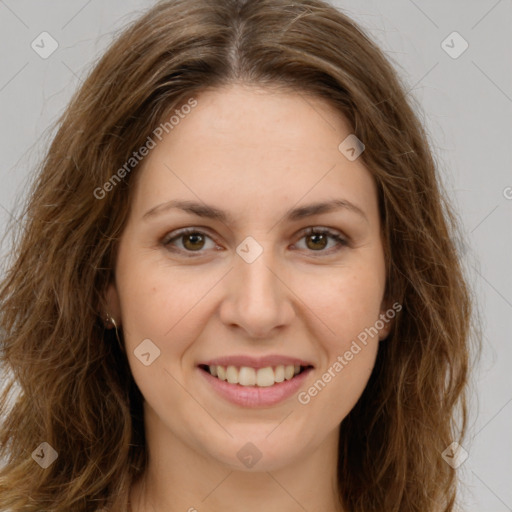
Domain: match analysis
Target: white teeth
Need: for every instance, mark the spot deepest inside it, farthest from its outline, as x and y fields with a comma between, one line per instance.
x=262, y=377
x=221, y=373
x=247, y=376
x=289, y=370
x=265, y=377
x=279, y=373
x=232, y=375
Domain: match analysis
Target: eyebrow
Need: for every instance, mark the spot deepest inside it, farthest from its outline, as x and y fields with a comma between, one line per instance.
x=211, y=212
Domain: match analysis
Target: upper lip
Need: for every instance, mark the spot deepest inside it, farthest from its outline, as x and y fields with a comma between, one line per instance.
x=256, y=362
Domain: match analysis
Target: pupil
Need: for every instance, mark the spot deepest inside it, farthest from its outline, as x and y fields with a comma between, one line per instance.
x=196, y=238
x=316, y=237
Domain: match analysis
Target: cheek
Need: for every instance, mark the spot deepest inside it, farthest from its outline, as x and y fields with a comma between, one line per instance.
x=142, y=317
x=349, y=306
x=161, y=303
x=346, y=301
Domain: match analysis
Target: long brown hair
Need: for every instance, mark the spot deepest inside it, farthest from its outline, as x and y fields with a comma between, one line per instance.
x=75, y=389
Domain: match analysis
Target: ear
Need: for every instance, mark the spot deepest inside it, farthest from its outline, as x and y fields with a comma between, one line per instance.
x=113, y=304
x=386, y=318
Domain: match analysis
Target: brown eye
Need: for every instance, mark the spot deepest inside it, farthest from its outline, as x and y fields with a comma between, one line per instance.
x=193, y=241
x=318, y=241
x=187, y=241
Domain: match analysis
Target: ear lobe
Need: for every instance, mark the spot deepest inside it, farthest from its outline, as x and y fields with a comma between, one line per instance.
x=385, y=322
x=384, y=332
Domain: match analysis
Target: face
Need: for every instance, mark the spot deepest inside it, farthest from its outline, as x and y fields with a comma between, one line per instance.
x=261, y=281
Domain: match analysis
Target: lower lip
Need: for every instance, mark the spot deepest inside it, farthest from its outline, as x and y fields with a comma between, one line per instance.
x=255, y=396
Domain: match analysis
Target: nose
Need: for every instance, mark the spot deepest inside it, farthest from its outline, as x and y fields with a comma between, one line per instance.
x=258, y=300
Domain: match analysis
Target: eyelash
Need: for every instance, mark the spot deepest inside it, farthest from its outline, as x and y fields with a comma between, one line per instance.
x=166, y=241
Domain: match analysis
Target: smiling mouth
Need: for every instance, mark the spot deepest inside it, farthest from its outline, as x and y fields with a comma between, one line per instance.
x=260, y=377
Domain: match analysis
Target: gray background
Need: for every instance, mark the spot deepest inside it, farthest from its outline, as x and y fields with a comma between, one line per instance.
x=465, y=103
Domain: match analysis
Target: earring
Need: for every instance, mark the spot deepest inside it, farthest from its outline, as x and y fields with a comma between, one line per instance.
x=109, y=320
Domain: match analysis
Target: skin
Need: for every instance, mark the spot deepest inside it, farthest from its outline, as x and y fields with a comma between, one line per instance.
x=254, y=153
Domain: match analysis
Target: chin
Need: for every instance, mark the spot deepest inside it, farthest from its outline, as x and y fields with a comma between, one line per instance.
x=257, y=455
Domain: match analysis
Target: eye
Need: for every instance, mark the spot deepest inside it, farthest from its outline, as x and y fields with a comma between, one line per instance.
x=192, y=240
x=317, y=239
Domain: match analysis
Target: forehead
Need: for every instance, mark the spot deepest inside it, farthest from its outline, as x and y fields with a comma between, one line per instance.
x=245, y=147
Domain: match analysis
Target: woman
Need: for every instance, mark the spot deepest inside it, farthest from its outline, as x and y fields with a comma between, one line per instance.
x=236, y=285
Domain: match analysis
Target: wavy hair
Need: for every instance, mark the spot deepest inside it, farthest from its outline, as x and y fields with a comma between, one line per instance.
x=74, y=387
